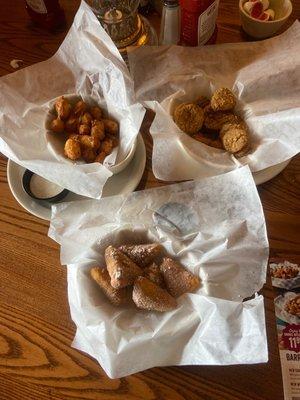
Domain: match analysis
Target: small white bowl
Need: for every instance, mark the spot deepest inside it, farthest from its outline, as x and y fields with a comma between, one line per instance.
x=264, y=29
x=57, y=141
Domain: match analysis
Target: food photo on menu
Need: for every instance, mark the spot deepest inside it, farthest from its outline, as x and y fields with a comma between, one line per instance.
x=150, y=200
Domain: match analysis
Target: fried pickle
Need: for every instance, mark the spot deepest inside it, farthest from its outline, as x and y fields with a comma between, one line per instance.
x=189, y=117
x=223, y=100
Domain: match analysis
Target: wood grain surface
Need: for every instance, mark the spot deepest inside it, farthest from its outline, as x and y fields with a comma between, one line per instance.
x=36, y=332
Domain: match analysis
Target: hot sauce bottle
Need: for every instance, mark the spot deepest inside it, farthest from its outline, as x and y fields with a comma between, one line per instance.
x=46, y=13
x=198, y=22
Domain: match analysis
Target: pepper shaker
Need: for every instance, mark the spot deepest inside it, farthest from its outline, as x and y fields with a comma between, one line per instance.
x=170, y=23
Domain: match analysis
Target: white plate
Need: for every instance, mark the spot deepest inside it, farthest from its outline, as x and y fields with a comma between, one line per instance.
x=122, y=183
x=280, y=312
x=267, y=174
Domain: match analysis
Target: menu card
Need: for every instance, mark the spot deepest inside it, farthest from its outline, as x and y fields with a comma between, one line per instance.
x=286, y=284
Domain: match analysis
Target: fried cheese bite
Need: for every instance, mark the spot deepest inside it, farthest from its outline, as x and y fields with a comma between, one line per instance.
x=142, y=254
x=116, y=296
x=148, y=296
x=153, y=273
x=122, y=270
x=178, y=280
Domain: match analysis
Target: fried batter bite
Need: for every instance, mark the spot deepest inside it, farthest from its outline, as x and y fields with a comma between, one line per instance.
x=100, y=157
x=57, y=125
x=96, y=112
x=117, y=297
x=107, y=146
x=71, y=124
x=142, y=254
x=245, y=150
x=72, y=149
x=215, y=120
x=89, y=142
x=97, y=129
x=122, y=270
x=234, y=137
x=88, y=154
x=148, y=296
x=74, y=136
x=79, y=108
x=63, y=108
x=86, y=119
x=153, y=273
x=202, y=101
x=84, y=129
x=189, y=117
x=178, y=280
x=201, y=137
x=114, y=140
x=223, y=100
x=111, y=127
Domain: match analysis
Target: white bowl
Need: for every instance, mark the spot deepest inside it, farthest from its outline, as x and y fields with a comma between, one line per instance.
x=57, y=141
x=264, y=29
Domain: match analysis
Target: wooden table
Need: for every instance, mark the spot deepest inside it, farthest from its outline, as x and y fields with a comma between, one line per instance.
x=36, y=360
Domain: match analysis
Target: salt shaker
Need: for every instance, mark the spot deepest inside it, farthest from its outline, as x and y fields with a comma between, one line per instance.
x=170, y=23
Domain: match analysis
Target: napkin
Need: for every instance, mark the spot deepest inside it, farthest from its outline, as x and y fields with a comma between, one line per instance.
x=88, y=64
x=215, y=227
x=265, y=77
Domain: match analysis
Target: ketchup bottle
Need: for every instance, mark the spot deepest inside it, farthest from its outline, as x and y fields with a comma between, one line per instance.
x=46, y=13
x=198, y=22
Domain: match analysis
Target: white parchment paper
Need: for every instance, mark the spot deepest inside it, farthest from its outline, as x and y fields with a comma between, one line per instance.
x=216, y=228
x=88, y=64
x=265, y=76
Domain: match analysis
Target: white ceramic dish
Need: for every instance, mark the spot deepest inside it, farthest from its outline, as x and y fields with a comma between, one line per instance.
x=269, y=173
x=122, y=183
x=57, y=141
x=264, y=29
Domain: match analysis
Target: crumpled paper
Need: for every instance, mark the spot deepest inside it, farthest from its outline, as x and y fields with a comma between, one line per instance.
x=216, y=228
x=265, y=76
x=88, y=64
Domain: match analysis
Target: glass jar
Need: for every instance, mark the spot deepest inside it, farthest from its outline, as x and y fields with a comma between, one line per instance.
x=119, y=18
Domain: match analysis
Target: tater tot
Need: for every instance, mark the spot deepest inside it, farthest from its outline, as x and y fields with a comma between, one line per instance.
x=72, y=149
x=57, y=125
x=111, y=127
